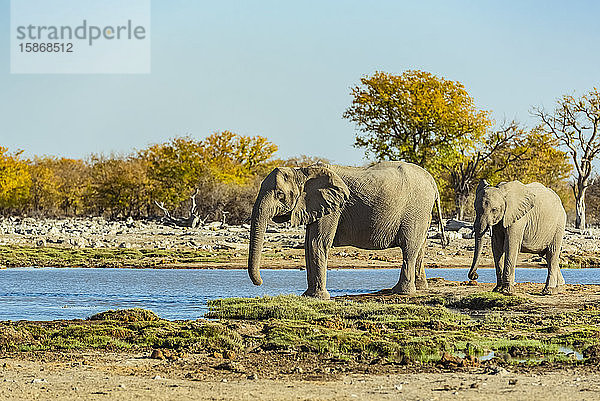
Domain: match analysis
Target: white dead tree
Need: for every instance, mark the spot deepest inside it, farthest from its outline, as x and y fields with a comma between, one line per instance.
x=192, y=221
x=576, y=124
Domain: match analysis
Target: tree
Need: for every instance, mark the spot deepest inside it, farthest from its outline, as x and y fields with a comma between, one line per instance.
x=217, y=166
x=542, y=161
x=236, y=158
x=480, y=156
x=414, y=117
x=119, y=186
x=593, y=199
x=574, y=123
x=45, y=193
x=303, y=161
x=15, y=180
x=174, y=169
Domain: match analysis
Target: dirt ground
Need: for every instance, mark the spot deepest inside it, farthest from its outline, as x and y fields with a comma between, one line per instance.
x=101, y=376
x=125, y=376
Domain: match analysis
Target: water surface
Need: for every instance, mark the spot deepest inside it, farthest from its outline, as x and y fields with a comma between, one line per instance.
x=77, y=293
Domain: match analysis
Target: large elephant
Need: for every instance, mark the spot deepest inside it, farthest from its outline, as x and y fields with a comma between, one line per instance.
x=384, y=205
x=524, y=218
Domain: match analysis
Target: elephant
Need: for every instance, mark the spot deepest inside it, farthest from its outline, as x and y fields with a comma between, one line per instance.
x=384, y=205
x=523, y=218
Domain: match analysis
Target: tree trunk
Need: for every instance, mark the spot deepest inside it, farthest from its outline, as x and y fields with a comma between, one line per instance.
x=460, y=202
x=580, y=208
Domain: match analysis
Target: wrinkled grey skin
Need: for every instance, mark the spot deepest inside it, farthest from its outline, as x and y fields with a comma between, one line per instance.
x=382, y=206
x=523, y=218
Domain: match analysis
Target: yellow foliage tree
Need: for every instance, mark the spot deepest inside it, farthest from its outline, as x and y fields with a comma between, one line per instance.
x=413, y=117
x=59, y=185
x=541, y=161
x=179, y=167
x=15, y=181
x=119, y=186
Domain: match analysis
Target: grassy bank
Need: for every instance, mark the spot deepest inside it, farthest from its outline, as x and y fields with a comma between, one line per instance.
x=399, y=331
x=25, y=256
x=54, y=256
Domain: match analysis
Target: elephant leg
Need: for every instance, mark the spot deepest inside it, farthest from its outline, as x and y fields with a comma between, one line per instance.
x=406, y=284
x=421, y=279
x=555, y=277
x=512, y=246
x=319, y=238
x=560, y=279
x=411, y=245
x=498, y=252
x=310, y=270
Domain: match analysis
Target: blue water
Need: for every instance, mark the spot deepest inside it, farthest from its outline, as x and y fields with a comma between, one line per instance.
x=48, y=293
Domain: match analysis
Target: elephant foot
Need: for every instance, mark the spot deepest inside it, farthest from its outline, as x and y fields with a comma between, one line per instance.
x=497, y=288
x=323, y=294
x=508, y=290
x=550, y=291
x=404, y=289
x=421, y=285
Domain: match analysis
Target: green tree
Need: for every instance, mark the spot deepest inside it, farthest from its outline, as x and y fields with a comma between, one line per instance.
x=45, y=193
x=174, y=169
x=415, y=116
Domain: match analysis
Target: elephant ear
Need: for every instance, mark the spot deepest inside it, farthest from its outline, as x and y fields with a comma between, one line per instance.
x=519, y=201
x=323, y=192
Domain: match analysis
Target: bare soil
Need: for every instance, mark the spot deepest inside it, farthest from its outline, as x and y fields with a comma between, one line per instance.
x=102, y=376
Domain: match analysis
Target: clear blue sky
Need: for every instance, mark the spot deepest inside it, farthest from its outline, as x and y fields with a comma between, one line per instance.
x=283, y=70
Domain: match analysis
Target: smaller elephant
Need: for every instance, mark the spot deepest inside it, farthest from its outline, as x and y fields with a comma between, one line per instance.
x=523, y=218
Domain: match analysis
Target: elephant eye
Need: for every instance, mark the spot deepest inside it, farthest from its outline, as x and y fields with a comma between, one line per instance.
x=280, y=195
x=494, y=209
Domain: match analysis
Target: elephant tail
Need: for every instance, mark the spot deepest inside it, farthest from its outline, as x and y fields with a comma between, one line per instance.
x=438, y=202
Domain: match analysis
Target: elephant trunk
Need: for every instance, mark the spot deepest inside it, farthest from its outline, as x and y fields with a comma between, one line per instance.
x=258, y=228
x=477, y=252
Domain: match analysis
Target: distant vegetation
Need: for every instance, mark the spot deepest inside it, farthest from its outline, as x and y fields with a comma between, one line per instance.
x=415, y=116
x=225, y=169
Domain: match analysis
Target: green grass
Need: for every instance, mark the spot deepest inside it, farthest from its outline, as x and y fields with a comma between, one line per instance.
x=343, y=329
x=401, y=332
x=118, y=335
x=487, y=300
x=26, y=256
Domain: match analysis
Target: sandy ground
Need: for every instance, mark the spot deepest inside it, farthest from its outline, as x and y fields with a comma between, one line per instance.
x=118, y=376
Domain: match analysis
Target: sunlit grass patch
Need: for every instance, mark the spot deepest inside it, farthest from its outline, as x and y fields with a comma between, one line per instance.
x=27, y=256
x=291, y=307
x=487, y=300
x=127, y=315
